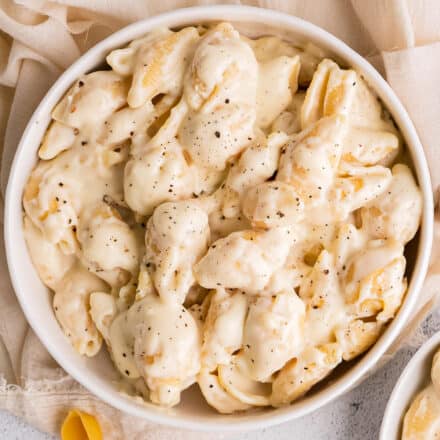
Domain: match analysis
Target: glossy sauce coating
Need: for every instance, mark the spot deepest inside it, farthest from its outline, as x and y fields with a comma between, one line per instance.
x=222, y=211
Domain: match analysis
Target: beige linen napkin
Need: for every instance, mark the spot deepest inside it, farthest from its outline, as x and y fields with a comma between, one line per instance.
x=39, y=39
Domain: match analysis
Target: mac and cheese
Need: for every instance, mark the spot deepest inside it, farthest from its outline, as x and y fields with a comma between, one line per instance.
x=224, y=211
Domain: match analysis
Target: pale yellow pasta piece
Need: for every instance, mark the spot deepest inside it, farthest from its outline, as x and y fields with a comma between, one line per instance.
x=300, y=374
x=355, y=190
x=366, y=147
x=357, y=337
x=375, y=280
x=160, y=65
x=313, y=107
x=166, y=126
x=164, y=352
x=277, y=83
x=176, y=238
x=273, y=204
x=121, y=342
x=223, y=327
x=257, y=164
x=211, y=140
x=396, y=213
x=127, y=123
x=243, y=260
x=324, y=300
x=273, y=334
x=367, y=110
x=291, y=274
x=338, y=91
x=160, y=170
x=109, y=247
x=160, y=175
x=348, y=241
x=422, y=420
x=103, y=310
x=122, y=61
x=91, y=99
x=435, y=373
x=331, y=92
x=58, y=137
x=72, y=304
x=48, y=259
x=223, y=68
x=383, y=291
x=220, y=89
x=216, y=395
x=375, y=255
x=238, y=384
x=59, y=191
x=136, y=289
x=51, y=200
x=310, y=160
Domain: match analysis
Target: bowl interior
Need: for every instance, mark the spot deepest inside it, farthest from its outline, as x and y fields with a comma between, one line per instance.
x=97, y=373
x=415, y=376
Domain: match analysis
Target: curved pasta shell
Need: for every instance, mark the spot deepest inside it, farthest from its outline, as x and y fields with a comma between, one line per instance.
x=71, y=305
x=300, y=374
x=396, y=213
x=51, y=263
x=249, y=258
x=238, y=384
x=277, y=83
x=357, y=337
x=435, y=373
x=273, y=204
x=422, y=421
x=273, y=334
x=160, y=66
x=216, y=395
x=91, y=99
x=102, y=310
x=58, y=137
x=223, y=328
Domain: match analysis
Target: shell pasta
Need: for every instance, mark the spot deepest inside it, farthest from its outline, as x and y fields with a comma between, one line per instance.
x=222, y=212
x=422, y=419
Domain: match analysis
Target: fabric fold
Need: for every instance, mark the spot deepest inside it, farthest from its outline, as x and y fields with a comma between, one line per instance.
x=411, y=73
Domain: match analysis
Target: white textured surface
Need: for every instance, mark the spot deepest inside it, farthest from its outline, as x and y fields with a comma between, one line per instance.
x=355, y=416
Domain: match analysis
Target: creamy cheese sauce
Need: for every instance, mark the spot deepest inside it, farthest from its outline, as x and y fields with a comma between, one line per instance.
x=222, y=211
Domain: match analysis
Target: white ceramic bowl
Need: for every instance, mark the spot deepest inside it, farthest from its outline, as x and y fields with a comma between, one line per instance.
x=97, y=374
x=415, y=376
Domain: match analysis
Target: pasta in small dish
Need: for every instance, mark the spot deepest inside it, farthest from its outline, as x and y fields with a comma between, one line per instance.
x=422, y=420
x=222, y=211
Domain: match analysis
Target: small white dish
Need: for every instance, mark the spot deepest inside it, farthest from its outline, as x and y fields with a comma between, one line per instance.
x=415, y=376
x=97, y=374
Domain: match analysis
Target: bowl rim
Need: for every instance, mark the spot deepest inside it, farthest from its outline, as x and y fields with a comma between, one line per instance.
x=415, y=364
x=282, y=20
